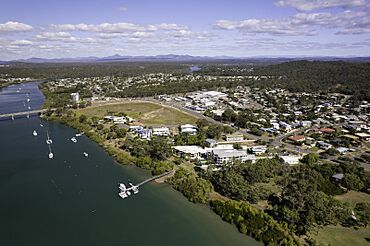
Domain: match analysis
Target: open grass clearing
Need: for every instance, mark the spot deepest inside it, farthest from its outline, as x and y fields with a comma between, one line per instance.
x=342, y=236
x=148, y=113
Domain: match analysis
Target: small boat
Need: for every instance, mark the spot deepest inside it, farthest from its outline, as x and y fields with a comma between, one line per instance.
x=28, y=99
x=122, y=187
x=34, y=133
x=85, y=154
x=48, y=140
x=41, y=125
x=123, y=195
x=29, y=107
x=51, y=155
x=73, y=139
x=79, y=134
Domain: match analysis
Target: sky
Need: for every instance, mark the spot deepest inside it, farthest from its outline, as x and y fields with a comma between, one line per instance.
x=240, y=28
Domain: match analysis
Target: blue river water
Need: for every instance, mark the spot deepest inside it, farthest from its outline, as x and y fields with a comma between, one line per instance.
x=72, y=199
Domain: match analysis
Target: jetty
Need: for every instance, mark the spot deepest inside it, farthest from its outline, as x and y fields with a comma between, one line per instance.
x=126, y=192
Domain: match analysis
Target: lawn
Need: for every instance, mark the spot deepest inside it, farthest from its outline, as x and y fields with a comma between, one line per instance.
x=353, y=197
x=342, y=236
x=146, y=112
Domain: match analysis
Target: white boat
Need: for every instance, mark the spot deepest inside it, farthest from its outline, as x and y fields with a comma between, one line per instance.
x=51, y=155
x=123, y=195
x=79, y=134
x=122, y=187
x=34, y=133
x=73, y=139
x=29, y=107
x=41, y=125
x=48, y=140
x=85, y=154
x=28, y=99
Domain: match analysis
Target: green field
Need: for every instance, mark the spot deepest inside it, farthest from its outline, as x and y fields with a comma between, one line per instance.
x=353, y=197
x=146, y=112
x=342, y=236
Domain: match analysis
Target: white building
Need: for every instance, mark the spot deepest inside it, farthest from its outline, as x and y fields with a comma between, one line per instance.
x=75, y=97
x=290, y=159
x=222, y=156
x=323, y=145
x=191, y=152
x=161, y=131
x=187, y=128
x=234, y=138
x=257, y=150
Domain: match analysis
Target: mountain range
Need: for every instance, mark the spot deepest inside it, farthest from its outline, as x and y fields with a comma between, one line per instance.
x=183, y=58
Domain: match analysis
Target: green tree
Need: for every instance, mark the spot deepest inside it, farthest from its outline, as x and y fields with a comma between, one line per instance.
x=310, y=158
x=352, y=182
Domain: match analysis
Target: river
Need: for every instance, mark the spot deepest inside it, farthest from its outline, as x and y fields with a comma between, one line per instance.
x=72, y=199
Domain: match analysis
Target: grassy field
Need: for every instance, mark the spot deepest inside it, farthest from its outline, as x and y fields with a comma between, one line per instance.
x=353, y=197
x=146, y=112
x=342, y=236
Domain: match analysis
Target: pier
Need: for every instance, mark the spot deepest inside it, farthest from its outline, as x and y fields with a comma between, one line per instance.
x=126, y=192
x=154, y=178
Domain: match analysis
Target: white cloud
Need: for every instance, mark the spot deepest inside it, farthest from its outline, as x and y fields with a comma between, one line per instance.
x=120, y=27
x=309, y=5
x=123, y=8
x=273, y=27
x=348, y=22
x=12, y=26
x=56, y=36
x=22, y=42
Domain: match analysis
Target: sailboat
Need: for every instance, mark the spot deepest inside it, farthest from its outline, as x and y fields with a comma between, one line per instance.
x=51, y=155
x=48, y=140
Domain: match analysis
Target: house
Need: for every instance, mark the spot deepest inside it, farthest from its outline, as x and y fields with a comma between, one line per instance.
x=337, y=177
x=222, y=156
x=289, y=159
x=275, y=125
x=297, y=138
x=234, y=138
x=116, y=119
x=305, y=123
x=323, y=145
x=75, y=97
x=190, y=152
x=161, y=131
x=210, y=142
x=326, y=130
x=144, y=133
x=363, y=136
x=287, y=127
x=342, y=150
x=257, y=150
x=187, y=128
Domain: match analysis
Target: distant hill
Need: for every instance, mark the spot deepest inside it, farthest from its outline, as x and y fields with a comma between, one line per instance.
x=187, y=58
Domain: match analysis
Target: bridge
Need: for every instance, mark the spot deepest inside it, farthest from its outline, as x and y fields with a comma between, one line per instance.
x=24, y=113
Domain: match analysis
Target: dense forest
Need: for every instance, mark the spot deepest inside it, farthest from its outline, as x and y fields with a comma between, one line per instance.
x=338, y=76
x=327, y=76
x=81, y=70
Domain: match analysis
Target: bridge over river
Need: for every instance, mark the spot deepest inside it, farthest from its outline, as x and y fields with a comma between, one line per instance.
x=24, y=113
